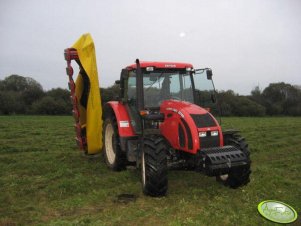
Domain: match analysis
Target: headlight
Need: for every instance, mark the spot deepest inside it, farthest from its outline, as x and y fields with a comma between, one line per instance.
x=214, y=133
x=149, y=68
x=202, y=134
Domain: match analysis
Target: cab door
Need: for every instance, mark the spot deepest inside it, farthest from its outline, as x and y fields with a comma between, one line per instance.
x=204, y=92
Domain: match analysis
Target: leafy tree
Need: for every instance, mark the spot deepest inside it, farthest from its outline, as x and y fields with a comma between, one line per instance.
x=282, y=99
x=55, y=102
x=59, y=93
x=14, y=83
x=6, y=103
x=21, y=93
x=49, y=106
x=62, y=96
x=243, y=106
x=256, y=95
x=33, y=91
x=109, y=94
x=233, y=104
x=11, y=103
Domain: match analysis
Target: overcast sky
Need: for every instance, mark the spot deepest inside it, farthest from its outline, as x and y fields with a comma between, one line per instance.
x=246, y=42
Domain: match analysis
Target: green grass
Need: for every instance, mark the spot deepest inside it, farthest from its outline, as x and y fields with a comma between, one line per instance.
x=44, y=179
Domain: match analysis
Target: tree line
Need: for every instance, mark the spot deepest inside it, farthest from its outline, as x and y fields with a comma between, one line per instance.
x=275, y=100
x=24, y=95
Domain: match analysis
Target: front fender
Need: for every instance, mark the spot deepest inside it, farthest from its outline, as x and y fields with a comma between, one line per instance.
x=118, y=109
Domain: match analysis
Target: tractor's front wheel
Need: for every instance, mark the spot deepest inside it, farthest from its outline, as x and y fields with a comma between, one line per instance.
x=154, y=166
x=241, y=176
x=114, y=157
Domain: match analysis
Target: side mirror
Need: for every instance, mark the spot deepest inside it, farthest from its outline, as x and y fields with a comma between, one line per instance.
x=209, y=74
x=124, y=76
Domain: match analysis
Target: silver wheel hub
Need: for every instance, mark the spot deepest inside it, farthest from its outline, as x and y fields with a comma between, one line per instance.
x=110, y=153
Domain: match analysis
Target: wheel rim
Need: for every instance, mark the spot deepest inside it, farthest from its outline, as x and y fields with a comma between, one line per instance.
x=109, y=144
x=143, y=169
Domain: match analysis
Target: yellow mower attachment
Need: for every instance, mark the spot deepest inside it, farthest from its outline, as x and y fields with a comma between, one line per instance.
x=85, y=95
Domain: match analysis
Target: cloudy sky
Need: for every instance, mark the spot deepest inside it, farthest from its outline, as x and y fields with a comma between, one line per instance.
x=246, y=43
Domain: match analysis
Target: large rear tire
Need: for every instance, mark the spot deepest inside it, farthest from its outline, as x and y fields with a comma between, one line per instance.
x=241, y=176
x=154, y=166
x=114, y=157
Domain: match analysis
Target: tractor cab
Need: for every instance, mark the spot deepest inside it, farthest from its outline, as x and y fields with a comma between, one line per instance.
x=146, y=85
x=163, y=81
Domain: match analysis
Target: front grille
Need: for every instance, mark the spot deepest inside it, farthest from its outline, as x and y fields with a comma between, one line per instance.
x=202, y=121
x=209, y=141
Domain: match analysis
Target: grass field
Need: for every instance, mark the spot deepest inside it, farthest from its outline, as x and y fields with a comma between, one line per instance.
x=44, y=179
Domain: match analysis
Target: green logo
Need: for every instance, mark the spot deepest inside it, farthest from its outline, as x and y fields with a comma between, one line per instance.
x=278, y=212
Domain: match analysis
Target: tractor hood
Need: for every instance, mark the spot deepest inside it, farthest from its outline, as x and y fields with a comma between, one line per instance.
x=188, y=127
x=182, y=107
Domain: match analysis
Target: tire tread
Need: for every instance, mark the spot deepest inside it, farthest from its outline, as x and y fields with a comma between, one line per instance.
x=156, y=182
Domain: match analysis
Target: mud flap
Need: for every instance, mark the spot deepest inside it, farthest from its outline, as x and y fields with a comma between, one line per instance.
x=221, y=160
x=85, y=95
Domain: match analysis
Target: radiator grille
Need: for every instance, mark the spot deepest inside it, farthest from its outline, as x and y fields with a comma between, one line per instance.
x=202, y=121
x=209, y=141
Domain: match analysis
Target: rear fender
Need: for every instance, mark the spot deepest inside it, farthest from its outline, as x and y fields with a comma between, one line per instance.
x=116, y=108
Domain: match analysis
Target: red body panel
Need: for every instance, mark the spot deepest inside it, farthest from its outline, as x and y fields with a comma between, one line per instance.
x=175, y=110
x=123, y=120
x=144, y=64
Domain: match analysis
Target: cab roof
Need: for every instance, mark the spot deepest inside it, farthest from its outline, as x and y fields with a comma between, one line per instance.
x=144, y=64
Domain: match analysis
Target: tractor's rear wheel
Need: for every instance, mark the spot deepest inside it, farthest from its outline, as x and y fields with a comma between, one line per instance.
x=154, y=166
x=114, y=157
x=241, y=176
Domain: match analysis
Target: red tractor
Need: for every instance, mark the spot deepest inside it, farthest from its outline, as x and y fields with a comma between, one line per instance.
x=158, y=123
x=162, y=120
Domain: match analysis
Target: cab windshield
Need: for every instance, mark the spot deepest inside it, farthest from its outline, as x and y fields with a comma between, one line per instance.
x=177, y=84
x=163, y=85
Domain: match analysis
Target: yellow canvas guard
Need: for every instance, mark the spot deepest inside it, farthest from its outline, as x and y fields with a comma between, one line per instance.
x=91, y=116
